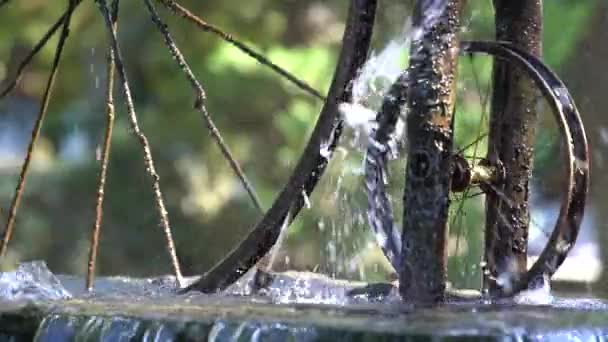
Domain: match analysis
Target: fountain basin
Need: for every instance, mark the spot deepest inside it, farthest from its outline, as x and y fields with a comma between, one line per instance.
x=226, y=318
x=293, y=307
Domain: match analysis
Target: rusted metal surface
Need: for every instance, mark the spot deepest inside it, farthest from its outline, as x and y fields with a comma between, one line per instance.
x=105, y=155
x=379, y=209
x=42, y=113
x=576, y=157
x=511, y=141
x=314, y=159
x=430, y=98
x=577, y=162
x=136, y=131
x=466, y=174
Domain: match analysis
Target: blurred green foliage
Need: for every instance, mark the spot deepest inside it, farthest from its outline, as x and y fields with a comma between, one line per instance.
x=265, y=120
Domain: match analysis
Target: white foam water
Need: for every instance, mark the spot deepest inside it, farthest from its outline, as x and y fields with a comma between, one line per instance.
x=539, y=295
x=342, y=196
x=376, y=76
x=31, y=281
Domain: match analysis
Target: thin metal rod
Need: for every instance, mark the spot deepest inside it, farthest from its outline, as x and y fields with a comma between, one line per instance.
x=105, y=156
x=27, y=60
x=10, y=224
x=199, y=105
x=143, y=140
x=203, y=25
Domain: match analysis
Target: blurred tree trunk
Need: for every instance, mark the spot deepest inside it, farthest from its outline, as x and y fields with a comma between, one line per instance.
x=511, y=142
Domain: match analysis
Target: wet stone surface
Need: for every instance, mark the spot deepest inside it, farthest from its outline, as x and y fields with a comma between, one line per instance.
x=294, y=306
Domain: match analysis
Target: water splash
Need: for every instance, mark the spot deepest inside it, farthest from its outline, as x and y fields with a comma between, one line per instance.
x=313, y=307
x=344, y=227
x=31, y=281
x=538, y=294
x=307, y=202
x=430, y=12
x=370, y=91
x=306, y=288
x=379, y=72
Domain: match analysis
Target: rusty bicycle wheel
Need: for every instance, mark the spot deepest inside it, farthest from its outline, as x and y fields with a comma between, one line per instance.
x=488, y=175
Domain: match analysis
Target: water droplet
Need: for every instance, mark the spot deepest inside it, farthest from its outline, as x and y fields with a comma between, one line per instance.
x=306, y=200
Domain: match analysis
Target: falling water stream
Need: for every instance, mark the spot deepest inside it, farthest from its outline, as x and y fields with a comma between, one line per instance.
x=350, y=250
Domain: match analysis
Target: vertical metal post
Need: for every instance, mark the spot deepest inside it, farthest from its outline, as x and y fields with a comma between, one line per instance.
x=431, y=97
x=511, y=142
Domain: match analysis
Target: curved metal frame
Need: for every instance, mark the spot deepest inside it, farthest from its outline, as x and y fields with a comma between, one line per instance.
x=380, y=211
x=576, y=185
x=355, y=46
